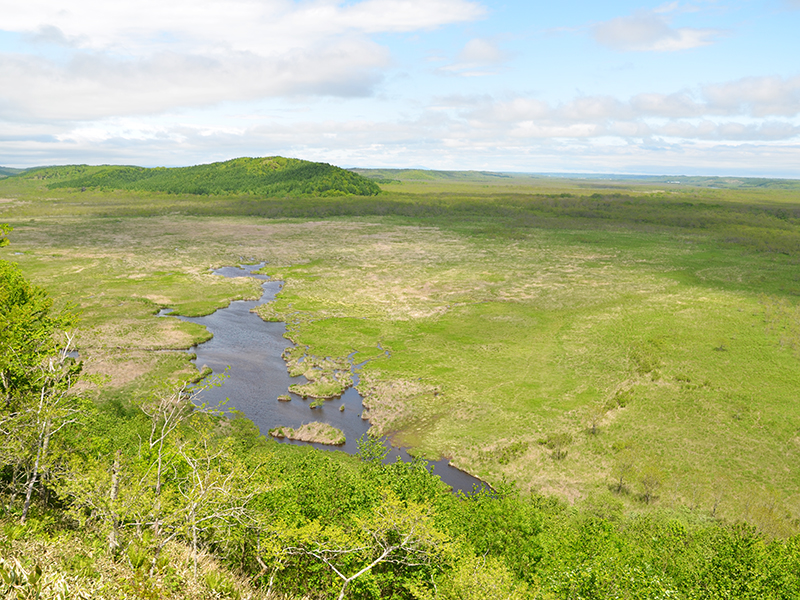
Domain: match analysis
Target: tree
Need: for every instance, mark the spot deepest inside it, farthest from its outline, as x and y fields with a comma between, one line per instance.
x=214, y=489
x=624, y=467
x=167, y=410
x=371, y=449
x=595, y=414
x=558, y=442
x=37, y=375
x=183, y=478
x=94, y=483
x=398, y=533
x=30, y=335
x=55, y=408
x=484, y=578
x=499, y=524
x=651, y=479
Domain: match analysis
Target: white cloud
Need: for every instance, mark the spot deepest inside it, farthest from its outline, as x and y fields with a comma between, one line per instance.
x=533, y=129
x=516, y=109
x=478, y=57
x=49, y=34
x=729, y=131
x=454, y=131
x=650, y=31
x=750, y=96
x=732, y=111
x=126, y=57
x=481, y=51
x=91, y=86
x=125, y=82
x=667, y=7
x=262, y=26
x=759, y=96
x=668, y=105
x=593, y=108
x=409, y=15
x=435, y=140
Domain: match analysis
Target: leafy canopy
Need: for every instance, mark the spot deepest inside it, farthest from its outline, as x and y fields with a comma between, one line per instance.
x=270, y=176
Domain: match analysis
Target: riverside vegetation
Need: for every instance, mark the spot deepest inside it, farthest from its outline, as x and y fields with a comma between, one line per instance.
x=618, y=359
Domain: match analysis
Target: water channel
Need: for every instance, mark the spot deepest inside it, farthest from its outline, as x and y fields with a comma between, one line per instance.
x=250, y=348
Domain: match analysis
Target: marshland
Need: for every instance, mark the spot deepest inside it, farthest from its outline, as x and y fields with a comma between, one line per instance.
x=617, y=359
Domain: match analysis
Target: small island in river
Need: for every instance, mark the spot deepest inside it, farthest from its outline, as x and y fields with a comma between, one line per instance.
x=316, y=432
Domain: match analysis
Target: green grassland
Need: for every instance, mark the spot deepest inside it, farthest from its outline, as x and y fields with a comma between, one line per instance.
x=555, y=333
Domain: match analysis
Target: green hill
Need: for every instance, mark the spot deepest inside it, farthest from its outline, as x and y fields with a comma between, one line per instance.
x=270, y=176
x=8, y=171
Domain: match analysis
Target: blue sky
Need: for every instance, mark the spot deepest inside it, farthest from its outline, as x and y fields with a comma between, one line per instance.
x=704, y=87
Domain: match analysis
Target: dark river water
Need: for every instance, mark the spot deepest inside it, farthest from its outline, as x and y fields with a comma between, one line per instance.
x=250, y=349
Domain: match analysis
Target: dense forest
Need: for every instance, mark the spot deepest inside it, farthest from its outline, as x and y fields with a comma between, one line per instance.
x=271, y=176
x=156, y=497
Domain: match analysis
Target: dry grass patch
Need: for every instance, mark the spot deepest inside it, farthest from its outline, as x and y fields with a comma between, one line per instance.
x=316, y=432
x=73, y=567
x=390, y=403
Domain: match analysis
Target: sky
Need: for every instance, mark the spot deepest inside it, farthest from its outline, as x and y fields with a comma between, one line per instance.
x=703, y=87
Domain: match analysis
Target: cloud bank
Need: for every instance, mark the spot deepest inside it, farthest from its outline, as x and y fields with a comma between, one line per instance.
x=96, y=59
x=750, y=123
x=650, y=31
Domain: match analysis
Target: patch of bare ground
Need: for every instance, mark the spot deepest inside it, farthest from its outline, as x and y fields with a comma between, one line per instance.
x=316, y=432
x=155, y=298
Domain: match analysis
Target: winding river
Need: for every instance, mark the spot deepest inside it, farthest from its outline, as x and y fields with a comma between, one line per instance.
x=250, y=349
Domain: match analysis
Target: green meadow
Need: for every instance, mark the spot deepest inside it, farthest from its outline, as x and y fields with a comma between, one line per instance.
x=575, y=337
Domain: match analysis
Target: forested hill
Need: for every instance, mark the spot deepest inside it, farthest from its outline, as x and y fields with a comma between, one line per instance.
x=270, y=176
x=8, y=171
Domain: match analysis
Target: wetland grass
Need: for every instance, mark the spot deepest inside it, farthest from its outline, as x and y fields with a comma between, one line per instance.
x=508, y=311
x=318, y=433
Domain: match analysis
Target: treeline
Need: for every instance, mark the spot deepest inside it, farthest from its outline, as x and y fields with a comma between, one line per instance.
x=155, y=497
x=272, y=176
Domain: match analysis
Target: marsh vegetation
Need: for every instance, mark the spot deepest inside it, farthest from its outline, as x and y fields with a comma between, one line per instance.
x=630, y=347
x=319, y=433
